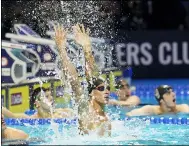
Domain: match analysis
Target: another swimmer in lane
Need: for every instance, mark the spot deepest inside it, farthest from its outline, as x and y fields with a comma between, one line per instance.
x=43, y=102
x=124, y=95
x=91, y=104
x=11, y=133
x=165, y=96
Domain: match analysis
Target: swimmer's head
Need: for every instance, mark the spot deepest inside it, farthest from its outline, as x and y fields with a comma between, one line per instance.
x=99, y=90
x=164, y=94
x=123, y=89
x=41, y=97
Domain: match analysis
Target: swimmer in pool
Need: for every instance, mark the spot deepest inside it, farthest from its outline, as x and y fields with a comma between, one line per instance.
x=43, y=102
x=91, y=105
x=165, y=96
x=124, y=95
x=11, y=133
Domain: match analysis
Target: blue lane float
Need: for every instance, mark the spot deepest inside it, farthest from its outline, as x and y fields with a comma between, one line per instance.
x=153, y=120
x=22, y=122
x=163, y=120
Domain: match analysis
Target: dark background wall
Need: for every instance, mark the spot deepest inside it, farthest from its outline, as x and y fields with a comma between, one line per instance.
x=117, y=20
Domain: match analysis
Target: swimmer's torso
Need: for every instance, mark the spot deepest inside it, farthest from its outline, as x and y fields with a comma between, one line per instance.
x=94, y=121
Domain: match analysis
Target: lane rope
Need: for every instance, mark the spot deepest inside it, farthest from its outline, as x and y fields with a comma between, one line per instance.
x=153, y=120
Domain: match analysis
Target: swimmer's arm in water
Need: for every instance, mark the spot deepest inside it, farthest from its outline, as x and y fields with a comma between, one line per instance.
x=117, y=102
x=183, y=108
x=68, y=68
x=12, y=133
x=9, y=114
x=131, y=101
x=145, y=110
x=83, y=39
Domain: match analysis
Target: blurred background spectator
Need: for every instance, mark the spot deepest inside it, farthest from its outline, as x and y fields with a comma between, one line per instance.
x=168, y=15
x=154, y=14
x=133, y=15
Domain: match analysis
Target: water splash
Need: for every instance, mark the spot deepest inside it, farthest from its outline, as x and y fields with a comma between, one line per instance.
x=91, y=13
x=68, y=134
x=69, y=13
x=94, y=14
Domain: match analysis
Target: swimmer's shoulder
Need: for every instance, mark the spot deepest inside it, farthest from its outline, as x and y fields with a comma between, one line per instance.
x=134, y=96
x=182, y=108
x=156, y=109
x=151, y=109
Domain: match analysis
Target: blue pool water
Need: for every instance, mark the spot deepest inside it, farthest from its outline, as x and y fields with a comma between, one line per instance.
x=133, y=131
x=154, y=130
x=124, y=131
x=130, y=133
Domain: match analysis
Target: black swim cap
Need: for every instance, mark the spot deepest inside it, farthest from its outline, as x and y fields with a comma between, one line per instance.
x=161, y=90
x=94, y=83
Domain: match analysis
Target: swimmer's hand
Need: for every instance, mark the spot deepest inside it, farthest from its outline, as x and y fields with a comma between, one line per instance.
x=82, y=36
x=60, y=37
x=68, y=69
x=83, y=39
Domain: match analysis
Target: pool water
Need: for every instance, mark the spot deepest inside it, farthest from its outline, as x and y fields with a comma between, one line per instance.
x=133, y=131
x=124, y=132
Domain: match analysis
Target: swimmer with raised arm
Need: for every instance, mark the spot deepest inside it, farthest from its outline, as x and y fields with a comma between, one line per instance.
x=125, y=98
x=165, y=96
x=43, y=101
x=90, y=107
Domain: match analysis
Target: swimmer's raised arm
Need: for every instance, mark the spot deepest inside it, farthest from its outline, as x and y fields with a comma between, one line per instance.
x=67, y=67
x=83, y=39
x=71, y=75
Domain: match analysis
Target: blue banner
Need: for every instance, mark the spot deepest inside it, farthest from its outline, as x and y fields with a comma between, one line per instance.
x=153, y=54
